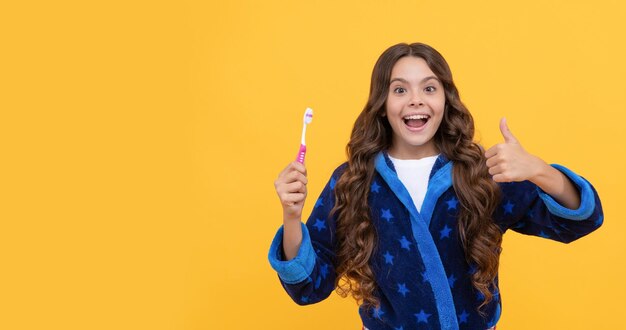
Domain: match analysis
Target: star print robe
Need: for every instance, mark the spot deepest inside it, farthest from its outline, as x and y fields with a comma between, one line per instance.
x=421, y=273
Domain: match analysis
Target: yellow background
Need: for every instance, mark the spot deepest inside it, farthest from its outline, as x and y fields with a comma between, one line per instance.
x=139, y=142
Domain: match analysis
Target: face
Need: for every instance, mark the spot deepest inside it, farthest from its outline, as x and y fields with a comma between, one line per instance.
x=414, y=108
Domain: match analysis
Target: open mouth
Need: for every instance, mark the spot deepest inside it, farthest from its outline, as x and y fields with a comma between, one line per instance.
x=416, y=121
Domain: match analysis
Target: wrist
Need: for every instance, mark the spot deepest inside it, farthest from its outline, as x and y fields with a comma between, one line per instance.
x=541, y=171
x=291, y=218
x=549, y=180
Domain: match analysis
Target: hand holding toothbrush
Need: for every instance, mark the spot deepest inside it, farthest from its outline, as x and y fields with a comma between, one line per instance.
x=291, y=189
x=291, y=183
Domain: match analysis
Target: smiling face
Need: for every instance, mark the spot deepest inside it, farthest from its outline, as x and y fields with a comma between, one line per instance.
x=414, y=108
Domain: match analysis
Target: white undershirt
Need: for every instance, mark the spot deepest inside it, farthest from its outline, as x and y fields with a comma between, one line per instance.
x=414, y=174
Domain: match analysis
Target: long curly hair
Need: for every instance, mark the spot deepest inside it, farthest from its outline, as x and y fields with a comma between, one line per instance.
x=478, y=194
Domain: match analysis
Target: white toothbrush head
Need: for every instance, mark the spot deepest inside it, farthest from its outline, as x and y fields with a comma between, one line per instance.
x=308, y=116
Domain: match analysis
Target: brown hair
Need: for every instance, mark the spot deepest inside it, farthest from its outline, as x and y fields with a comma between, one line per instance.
x=477, y=192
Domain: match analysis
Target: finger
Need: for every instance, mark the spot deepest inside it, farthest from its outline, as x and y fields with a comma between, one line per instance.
x=290, y=188
x=302, y=178
x=506, y=132
x=290, y=199
x=293, y=166
x=500, y=178
x=491, y=152
x=493, y=161
x=299, y=167
x=295, y=176
x=294, y=187
x=496, y=170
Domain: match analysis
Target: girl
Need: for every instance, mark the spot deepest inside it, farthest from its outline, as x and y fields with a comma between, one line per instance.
x=411, y=225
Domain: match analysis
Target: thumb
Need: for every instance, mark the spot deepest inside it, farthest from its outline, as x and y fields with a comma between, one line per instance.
x=506, y=132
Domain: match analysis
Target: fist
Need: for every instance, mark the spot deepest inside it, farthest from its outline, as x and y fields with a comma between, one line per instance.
x=508, y=161
x=291, y=189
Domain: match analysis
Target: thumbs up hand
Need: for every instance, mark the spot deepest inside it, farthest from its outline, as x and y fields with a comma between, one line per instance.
x=508, y=161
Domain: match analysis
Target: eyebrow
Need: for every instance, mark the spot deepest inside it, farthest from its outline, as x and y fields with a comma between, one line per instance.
x=406, y=82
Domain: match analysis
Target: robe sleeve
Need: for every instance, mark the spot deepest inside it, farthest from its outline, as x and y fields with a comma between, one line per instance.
x=526, y=209
x=310, y=276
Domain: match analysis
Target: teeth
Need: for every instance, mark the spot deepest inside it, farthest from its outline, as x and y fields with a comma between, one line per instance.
x=417, y=117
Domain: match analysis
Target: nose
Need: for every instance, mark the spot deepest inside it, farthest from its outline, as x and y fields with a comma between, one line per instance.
x=416, y=100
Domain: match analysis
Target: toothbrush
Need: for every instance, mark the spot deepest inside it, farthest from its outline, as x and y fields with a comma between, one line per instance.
x=308, y=117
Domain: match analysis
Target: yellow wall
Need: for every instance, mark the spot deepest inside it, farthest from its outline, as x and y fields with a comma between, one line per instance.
x=139, y=143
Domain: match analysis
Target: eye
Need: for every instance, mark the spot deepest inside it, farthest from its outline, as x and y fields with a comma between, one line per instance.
x=430, y=89
x=399, y=90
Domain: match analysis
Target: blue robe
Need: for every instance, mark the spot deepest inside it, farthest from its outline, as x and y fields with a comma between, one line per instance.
x=421, y=273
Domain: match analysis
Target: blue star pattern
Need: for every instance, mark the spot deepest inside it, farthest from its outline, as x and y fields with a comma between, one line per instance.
x=388, y=258
x=324, y=270
x=424, y=277
x=493, y=320
x=463, y=317
x=375, y=187
x=319, y=224
x=318, y=282
x=305, y=299
x=508, y=208
x=422, y=316
x=386, y=214
x=445, y=232
x=598, y=222
x=332, y=183
x=399, y=328
x=402, y=289
x=451, y=280
x=378, y=313
x=319, y=202
x=405, y=243
x=452, y=203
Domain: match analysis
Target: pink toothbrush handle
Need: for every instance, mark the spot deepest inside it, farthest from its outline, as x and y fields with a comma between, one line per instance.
x=301, y=154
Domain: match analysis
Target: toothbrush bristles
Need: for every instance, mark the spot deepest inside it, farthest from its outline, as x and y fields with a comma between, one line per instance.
x=308, y=116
